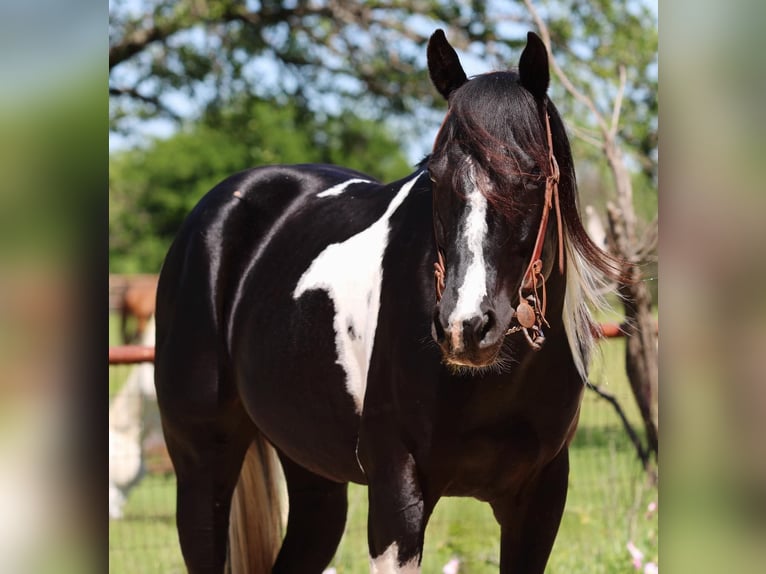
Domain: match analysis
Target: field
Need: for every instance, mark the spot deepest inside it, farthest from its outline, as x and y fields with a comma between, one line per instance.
x=606, y=507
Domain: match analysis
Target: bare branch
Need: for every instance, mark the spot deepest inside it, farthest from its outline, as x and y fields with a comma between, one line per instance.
x=136, y=42
x=642, y=452
x=151, y=100
x=649, y=241
x=563, y=78
x=586, y=137
x=618, y=102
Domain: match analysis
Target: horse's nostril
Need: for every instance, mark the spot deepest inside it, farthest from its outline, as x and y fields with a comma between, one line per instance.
x=477, y=327
x=487, y=325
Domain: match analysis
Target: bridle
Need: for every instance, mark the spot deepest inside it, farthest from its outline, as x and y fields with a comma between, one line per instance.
x=530, y=311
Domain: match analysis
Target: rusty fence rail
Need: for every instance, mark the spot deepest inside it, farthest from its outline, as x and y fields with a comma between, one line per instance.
x=130, y=354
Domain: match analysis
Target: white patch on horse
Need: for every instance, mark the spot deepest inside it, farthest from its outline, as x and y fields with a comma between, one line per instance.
x=388, y=563
x=474, y=287
x=341, y=187
x=351, y=273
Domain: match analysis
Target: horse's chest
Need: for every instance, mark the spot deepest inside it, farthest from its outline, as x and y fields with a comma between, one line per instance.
x=488, y=461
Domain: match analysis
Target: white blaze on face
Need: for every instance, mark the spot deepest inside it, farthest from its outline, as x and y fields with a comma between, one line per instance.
x=388, y=563
x=351, y=273
x=474, y=287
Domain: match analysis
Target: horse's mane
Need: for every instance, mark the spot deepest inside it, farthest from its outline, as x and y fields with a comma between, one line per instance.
x=493, y=120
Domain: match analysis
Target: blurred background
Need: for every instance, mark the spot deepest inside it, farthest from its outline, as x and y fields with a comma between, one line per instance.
x=198, y=90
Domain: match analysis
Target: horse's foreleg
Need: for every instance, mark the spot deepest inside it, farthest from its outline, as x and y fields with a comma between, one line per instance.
x=530, y=520
x=397, y=517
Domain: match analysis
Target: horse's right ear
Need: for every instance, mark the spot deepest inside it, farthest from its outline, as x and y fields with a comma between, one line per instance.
x=533, y=66
x=444, y=66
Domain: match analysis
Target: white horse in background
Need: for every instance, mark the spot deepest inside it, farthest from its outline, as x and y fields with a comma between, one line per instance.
x=132, y=413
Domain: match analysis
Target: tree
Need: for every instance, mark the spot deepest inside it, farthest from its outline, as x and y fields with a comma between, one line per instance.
x=213, y=50
x=369, y=53
x=154, y=187
x=641, y=350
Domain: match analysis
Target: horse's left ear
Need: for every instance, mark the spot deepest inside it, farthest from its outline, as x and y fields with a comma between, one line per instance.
x=444, y=66
x=533, y=66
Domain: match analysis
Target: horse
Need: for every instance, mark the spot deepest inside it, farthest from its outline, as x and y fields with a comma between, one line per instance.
x=427, y=338
x=137, y=301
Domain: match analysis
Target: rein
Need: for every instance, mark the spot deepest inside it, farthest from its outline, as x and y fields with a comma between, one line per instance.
x=530, y=312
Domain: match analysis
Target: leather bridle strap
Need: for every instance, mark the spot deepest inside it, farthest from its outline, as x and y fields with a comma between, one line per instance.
x=533, y=316
x=551, y=200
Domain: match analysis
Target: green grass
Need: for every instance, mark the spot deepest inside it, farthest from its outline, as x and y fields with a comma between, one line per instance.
x=145, y=539
x=606, y=506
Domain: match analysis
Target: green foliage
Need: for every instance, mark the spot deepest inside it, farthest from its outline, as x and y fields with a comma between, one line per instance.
x=363, y=51
x=591, y=39
x=323, y=47
x=370, y=57
x=364, y=57
x=151, y=189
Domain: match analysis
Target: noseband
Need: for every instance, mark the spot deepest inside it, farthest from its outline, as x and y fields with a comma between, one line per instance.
x=530, y=312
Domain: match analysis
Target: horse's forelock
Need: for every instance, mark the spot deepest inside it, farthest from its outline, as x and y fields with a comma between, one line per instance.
x=495, y=122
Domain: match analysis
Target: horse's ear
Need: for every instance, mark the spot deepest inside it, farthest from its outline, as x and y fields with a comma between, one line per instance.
x=533, y=66
x=444, y=66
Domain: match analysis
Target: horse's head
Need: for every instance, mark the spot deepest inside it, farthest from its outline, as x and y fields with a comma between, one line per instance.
x=494, y=181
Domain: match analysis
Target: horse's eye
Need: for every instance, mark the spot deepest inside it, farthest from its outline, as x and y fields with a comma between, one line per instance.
x=534, y=178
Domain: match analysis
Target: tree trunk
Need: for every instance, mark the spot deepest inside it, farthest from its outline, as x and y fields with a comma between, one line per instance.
x=641, y=356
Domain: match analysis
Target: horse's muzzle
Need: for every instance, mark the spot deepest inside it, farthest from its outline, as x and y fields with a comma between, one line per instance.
x=471, y=342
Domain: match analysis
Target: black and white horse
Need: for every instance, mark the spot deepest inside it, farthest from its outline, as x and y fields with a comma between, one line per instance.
x=427, y=338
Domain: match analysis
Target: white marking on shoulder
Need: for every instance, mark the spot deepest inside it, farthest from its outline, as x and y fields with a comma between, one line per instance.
x=341, y=187
x=388, y=563
x=474, y=287
x=351, y=273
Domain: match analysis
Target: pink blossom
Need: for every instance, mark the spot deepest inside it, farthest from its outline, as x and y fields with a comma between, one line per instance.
x=651, y=568
x=451, y=567
x=636, y=555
